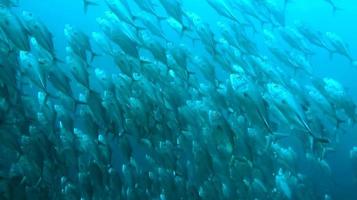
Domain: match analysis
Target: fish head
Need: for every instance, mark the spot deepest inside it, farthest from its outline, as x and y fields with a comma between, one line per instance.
x=27, y=16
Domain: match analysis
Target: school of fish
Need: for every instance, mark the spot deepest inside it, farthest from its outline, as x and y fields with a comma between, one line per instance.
x=184, y=111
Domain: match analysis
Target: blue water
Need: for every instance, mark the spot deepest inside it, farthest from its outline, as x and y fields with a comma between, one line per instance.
x=317, y=13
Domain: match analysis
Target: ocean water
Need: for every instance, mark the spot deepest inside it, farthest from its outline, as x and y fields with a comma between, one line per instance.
x=318, y=14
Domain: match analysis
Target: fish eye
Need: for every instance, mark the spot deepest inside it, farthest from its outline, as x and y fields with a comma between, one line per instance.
x=245, y=94
x=7, y=22
x=283, y=101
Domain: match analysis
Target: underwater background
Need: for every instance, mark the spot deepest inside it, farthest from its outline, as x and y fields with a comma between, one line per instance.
x=340, y=183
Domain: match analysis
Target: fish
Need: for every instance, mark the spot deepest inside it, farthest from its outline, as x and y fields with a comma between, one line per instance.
x=121, y=34
x=291, y=109
x=248, y=8
x=249, y=94
x=117, y=7
x=295, y=40
x=78, y=67
x=221, y=8
x=104, y=43
x=175, y=107
x=152, y=26
x=322, y=102
x=174, y=9
x=79, y=42
x=39, y=31
x=35, y=70
x=14, y=29
x=313, y=36
x=149, y=7
x=338, y=46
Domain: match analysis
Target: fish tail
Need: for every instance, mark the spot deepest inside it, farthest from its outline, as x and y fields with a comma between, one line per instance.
x=335, y=9
x=350, y=59
x=184, y=30
x=315, y=138
x=160, y=18
x=87, y=3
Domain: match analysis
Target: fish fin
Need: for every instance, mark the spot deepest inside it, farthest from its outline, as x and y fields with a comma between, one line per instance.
x=93, y=55
x=339, y=122
x=315, y=138
x=335, y=9
x=87, y=3
x=58, y=60
x=139, y=28
x=77, y=103
x=184, y=30
x=190, y=74
x=321, y=140
x=350, y=59
x=143, y=61
x=160, y=18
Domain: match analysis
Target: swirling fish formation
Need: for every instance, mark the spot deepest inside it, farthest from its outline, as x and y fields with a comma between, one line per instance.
x=184, y=110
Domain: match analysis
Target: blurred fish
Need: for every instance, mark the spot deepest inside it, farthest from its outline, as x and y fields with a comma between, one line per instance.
x=221, y=8
x=286, y=103
x=177, y=107
x=149, y=7
x=39, y=31
x=14, y=29
x=79, y=42
x=338, y=46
